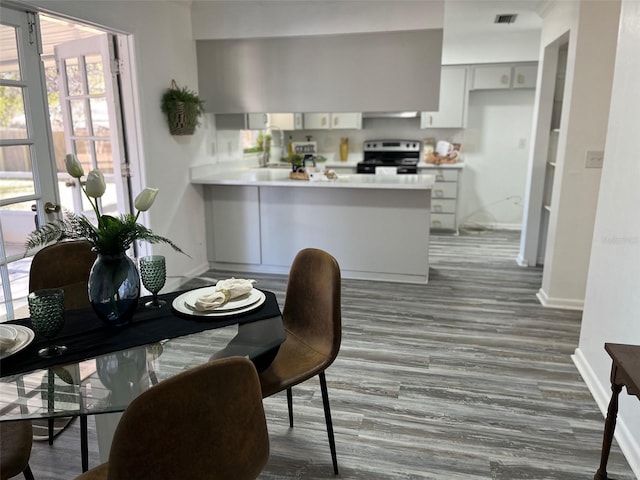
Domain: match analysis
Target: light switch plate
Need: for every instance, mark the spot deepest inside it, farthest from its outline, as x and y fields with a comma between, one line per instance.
x=594, y=159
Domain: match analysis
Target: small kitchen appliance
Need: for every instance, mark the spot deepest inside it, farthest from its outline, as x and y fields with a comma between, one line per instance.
x=403, y=155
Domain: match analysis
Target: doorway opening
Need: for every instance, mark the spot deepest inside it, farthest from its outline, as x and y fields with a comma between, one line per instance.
x=76, y=74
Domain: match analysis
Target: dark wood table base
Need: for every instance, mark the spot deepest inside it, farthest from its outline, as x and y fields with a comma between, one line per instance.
x=625, y=372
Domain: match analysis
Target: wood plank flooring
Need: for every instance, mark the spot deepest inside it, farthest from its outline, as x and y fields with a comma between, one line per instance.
x=468, y=377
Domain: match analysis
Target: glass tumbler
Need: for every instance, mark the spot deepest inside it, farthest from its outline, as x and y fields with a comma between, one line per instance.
x=46, y=308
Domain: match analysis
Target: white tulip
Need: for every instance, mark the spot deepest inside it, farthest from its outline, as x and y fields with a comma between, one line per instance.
x=74, y=167
x=145, y=199
x=95, y=186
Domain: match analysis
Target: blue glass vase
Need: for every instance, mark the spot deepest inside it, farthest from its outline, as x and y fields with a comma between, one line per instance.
x=114, y=288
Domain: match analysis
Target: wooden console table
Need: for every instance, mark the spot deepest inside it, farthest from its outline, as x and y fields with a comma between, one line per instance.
x=625, y=372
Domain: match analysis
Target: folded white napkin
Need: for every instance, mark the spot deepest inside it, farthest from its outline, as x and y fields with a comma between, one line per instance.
x=8, y=337
x=6, y=343
x=224, y=291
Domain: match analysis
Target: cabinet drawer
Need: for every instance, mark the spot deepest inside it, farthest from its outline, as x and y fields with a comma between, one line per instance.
x=445, y=190
x=443, y=221
x=439, y=205
x=444, y=175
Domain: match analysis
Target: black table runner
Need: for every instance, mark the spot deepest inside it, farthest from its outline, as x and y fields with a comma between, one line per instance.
x=86, y=336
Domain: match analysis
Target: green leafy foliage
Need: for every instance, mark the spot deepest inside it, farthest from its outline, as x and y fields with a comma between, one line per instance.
x=174, y=95
x=113, y=234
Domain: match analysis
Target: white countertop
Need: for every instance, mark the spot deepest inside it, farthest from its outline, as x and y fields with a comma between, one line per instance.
x=279, y=177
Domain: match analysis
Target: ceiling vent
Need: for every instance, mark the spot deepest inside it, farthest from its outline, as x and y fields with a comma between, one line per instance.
x=506, y=18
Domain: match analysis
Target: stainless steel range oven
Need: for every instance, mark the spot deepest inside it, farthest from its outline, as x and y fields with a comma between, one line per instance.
x=403, y=155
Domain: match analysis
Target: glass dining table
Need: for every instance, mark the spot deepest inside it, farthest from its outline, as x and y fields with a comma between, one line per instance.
x=105, y=367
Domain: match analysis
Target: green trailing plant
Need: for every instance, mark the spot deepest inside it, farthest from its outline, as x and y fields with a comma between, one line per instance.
x=183, y=108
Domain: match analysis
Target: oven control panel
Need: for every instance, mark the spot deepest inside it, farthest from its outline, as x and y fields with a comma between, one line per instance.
x=392, y=146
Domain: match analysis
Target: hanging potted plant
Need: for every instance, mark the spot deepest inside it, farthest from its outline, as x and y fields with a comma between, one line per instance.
x=183, y=108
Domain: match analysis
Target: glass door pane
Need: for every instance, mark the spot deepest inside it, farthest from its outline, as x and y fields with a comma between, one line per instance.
x=25, y=184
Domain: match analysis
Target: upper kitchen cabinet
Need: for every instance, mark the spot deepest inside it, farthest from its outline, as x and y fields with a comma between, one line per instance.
x=349, y=72
x=335, y=121
x=453, y=100
x=494, y=77
x=285, y=121
x=258, y=121
x=525, y=76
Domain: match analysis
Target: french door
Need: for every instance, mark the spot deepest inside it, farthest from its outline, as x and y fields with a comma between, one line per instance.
x=27, y=172
x=34, y=185
x=87, y=82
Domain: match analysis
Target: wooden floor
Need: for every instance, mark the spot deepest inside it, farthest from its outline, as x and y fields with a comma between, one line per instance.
x=468, y=377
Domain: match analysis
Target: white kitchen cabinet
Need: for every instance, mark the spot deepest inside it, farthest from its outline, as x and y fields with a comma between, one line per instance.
x=444, y=195
x=285, y=121
x=453, y=99
x=257, y=121
x=524, y=76
x=233, y=224
x=335, y=121
x=495, y=77
x=491, y=77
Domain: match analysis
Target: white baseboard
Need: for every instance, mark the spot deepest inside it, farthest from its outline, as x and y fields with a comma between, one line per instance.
x=521, y=261
x=563, y=303
x=629, y=445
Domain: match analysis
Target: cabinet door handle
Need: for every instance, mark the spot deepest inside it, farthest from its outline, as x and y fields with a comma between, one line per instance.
x=335, y=121
x=438, y=193
x=520, y=79
x=266, y=119
x=505, y=79
x=435, y=223
x=323, y=122
x=439, y=177
x=437, y=208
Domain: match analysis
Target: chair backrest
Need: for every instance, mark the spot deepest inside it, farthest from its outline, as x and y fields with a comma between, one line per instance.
x=205, y=423
x=64, y=265
x=312, y=309
x=16, y=439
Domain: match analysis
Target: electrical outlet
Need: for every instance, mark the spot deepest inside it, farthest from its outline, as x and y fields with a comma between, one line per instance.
x=594, y=159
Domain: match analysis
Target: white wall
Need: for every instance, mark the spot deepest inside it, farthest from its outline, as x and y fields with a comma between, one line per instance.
x=495, y=151
x=164, y=50
x=612, y=304
x=592, y=28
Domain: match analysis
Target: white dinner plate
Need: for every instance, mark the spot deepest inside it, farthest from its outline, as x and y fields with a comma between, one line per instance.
x=184, y=303
x=24, y=337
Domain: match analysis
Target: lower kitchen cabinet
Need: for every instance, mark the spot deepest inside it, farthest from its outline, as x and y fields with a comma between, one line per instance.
x=444, y=195
x=233, y=224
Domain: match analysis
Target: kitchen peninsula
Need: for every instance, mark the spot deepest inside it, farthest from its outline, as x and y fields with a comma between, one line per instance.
x=377, y=226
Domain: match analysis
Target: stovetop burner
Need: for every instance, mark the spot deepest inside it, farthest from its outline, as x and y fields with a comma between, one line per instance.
x=404, y=154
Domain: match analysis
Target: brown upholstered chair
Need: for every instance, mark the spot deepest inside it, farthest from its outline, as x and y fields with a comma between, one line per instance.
x=313, y=322
x=205, y=423
x=65, y=265
x=16, y=440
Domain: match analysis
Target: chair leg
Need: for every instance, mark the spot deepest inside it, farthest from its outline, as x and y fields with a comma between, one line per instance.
x=84, y=443
x=50, y=429
x=28, y=474
x=327, y=417
x=290, y=406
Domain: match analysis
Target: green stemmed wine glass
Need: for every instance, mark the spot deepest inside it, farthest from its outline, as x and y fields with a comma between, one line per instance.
x=46, y=309
x=153, y=272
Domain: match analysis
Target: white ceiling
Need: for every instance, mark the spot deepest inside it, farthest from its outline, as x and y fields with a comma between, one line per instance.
x=461, y=17
x=477, y=16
